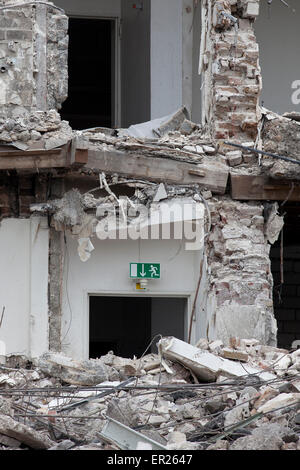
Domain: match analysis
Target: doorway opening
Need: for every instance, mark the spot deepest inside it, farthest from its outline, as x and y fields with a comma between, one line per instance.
x=286, y=294
x=126, y=325
x=91, y=63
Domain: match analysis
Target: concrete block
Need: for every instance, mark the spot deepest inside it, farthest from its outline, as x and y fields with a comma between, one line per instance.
x=234, y=158
x=282, y=400
x=22, y=433
x=234, y=355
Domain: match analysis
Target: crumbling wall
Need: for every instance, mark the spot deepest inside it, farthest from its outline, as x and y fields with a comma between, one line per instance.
x=56, y=267
x=33, y=58
x=240, y=274
x=229, y=62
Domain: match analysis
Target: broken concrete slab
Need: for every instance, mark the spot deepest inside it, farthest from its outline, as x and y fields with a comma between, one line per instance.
x=25, y=434
x=280, y=401
x=91, y=372
x=205, y=365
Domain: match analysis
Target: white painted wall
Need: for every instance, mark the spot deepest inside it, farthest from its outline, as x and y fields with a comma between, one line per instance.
x=23, y=285
x=39, y=274
x=135, y=63
x=101, y=8
x=187, y=53
x=166, y=57
x=196, y=85
x=107, y=272
x=278, y=35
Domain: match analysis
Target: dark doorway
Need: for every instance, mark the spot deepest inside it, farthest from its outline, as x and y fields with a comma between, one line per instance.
x=126, y=325
x=89, y=102
x=287, y=293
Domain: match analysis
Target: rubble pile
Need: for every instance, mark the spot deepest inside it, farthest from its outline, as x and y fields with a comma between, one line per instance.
x=204, y=397
x=35, y=131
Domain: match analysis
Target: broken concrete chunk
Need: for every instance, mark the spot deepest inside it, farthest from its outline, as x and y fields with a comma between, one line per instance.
x=5, y=379
x=234, y=355
x=70, y=209
x=250, y=8
x=282, y=400
x=176, y=437
x=237, y=414
x=266, y=437
x=234, y=158
x=85, y=247
x=283, y=363
x=22, y=433
x=173, y=122
x=216, y=346
x=187, y=127
x=219, y=445
x=209, y=150
x=205, y=365
x=91, y=372
x=206, y=194
x=214, y=406
x=249, y=158
x=194, y=149
x=64, y=445
x=161, y=193
x=202, y=343
x=274, y=224
x=5, y=406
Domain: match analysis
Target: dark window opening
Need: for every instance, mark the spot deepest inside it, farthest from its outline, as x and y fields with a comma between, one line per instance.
x=126, y=325
x=90, y=95
x=287, y=294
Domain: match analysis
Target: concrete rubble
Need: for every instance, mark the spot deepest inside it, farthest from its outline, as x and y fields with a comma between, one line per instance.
x=158, y=401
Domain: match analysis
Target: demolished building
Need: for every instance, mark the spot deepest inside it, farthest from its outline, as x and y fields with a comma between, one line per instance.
x=66, y=281
x=116, y=235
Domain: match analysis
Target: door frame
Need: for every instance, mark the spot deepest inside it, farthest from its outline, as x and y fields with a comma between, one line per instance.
x=116, y=64
x=88, y=294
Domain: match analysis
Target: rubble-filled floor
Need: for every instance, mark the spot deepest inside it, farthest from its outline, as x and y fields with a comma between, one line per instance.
x=246, y=397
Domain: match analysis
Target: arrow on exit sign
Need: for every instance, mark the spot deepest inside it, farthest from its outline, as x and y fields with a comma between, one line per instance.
x=145, y=270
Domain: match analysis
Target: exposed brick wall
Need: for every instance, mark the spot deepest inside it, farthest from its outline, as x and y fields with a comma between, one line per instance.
x=287, y=298
x=18, y=192
x=240, y=268
x=232, y=76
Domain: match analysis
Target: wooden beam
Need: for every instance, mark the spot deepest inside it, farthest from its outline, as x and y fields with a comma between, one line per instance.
x=78, y=153
x=211, y=176
x=33, y=159
x=262, y=188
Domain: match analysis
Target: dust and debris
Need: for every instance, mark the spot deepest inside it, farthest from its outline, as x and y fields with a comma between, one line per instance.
x=61, y=404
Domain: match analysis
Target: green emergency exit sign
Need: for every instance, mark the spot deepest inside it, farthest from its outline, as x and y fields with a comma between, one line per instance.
x=145, y=270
